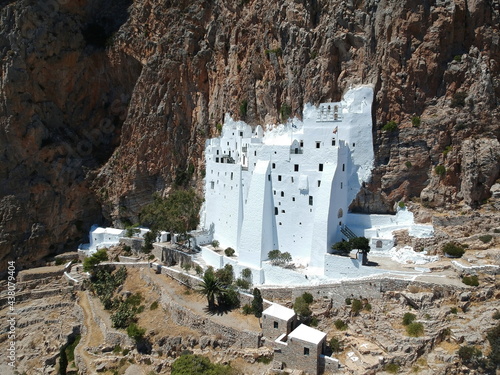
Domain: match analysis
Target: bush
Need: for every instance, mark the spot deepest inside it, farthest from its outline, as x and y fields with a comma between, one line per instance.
x=265, y=359
x=391, y=126
x=340, y=325
x=440, y=170
x=154, y=305
x=301, y=308
x=408, y=164
x=247, y=309
x=485, y=238
x=493, y=337
x=90, y=262
x=243, y=108
x=229, y=252
x=246, y=273
x=496, y=315
x=415, y=329
x=135, y=332
x=198, y=270
x=408, y=318
x=314, y=322
x=367, y=307
x=470, y=280
x=243, y=284
x=356, y=306
x=453, y=310
x=348, y=301
x=458, y=99
x=285, y=111
x=194, y=364
x=215, y=244
x=415, y=121
x=392, y=368
x=469, y=354
x=453, y=250
x=336, y=345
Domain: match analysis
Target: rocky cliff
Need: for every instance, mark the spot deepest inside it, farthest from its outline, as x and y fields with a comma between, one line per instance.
x=104, y=103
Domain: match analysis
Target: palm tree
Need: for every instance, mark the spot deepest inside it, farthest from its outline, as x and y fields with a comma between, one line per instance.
x=210, y=287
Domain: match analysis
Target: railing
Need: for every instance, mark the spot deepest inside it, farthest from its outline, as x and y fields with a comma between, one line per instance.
x=347, y=232
x=296, y=151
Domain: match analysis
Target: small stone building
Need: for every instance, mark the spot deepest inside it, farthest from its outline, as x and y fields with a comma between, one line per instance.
x=295, y=345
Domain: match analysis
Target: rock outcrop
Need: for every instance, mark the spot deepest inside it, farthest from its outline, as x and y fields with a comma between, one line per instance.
x=105, y=103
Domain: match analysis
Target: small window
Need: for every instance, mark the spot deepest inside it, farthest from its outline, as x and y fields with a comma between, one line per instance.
x=343, y=167
x=212, y=184
x=301, y=143
x=340, y=223
x=310, y=200
x=282, y=193
x=319, y=183
x=275, y=325
x=333, y=141
x=353, y=144
x=320, y=167
x=318, y=144
x=293, y=199
x=306, y=351
x=255, y=153
x=268, y=177
x=241, y=134
x=282, y=211
x=231, y=176
x=274, y=192
x=378, y=244
x=217, y=152
x=279, y=177
x=292, y=180
x=341, y=185
x=276, y=210
x=216, y=160
x=296, y=167
x=228, y=142
x=274, y=165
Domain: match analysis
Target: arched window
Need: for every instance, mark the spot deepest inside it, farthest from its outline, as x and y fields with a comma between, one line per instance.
x=378, y=245
x=341, y=213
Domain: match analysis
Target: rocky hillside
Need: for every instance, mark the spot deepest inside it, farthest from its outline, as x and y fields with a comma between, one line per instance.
x=103, y=103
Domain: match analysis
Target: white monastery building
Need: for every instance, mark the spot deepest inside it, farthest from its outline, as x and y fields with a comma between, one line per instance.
x=289, y=187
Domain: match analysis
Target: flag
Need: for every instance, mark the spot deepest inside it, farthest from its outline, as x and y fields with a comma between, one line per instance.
x=335, y=130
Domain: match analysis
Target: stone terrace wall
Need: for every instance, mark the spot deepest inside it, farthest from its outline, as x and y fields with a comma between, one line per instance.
x=204, y=325
x=369, y=288
x=171, y=256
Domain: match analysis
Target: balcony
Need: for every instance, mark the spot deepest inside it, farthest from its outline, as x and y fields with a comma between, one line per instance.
x=297, y=150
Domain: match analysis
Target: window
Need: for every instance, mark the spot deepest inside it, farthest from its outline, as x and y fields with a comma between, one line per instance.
x=293, y=199
x=318, y=144
x=320, y=167
x=319, y=183
x=333, y=141
x=378, y=244
x=282, y=211
x=343, y=167
x=306, y=351
x=241, y=134
x=310, y=200
x=279, y=177
x=282, y=193
x=255, y=153
x=274, y=165
x=292, y=180
x=275, y=325
x=341, y=185
x=231, y=176
x=212, y=184
x=274, y=192
x=268, y=177
x=353, y=144
x=296, y=167
x=340, y=213
x=301, y=143
x=276, y=210
x=216, y=160
x=217, y=152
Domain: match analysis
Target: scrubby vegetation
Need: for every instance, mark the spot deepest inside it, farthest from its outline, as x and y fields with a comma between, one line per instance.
x=470, y=280
x=192, y=364
x=453, y=250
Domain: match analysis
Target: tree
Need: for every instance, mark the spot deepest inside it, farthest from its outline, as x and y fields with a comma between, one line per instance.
x=225, y=275
x=360, y=243
x=210, y=287
x=177, y=213
x=149, y=238
x=273, y=256
x=257, y=303
x=336, y=345
x=301, y=308
x=343, y=247
x=91, y=261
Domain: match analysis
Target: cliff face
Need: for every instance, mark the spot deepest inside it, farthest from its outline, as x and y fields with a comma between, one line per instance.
x=123, y=97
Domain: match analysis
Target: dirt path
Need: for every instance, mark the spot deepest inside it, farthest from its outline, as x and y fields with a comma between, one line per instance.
x=92, y=335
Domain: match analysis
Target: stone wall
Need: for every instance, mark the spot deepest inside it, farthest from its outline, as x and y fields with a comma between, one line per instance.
x=134, y=243
x=171, y=256
x=38, y=273
x=185, y=317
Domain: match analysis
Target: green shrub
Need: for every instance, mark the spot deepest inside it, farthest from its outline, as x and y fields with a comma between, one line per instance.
x=314, y=322
x=348, y=301
x=447, y=149
x=276, y=51
x=135, y=332
x=125, y=351
x=469, y=354
x=340, y=325
x=457, y=58
x=458, y=99
x=264, y=359
x=154, y=305
x=367, y=307
x=90, y=262
x=453, y=250
x=243, y=108
x=391, y=368
x=408, y=164
x=401, y=204
x=198, y=270
x=301, y=308
x=246, y=273
x=247, y=309
x=496, y=315
x=336, y=345
x=356, y=306
x=485, y=238
x=215, y=244
x=242, y=283
x=440, y=170
x=493, y=337
x=453, y=310
x=415, y=121
x=194, y=364
x=408, y=318
x=229, y=252
x=415, y=329
x=218, y=126
x=470, y=280
x=186, y=267
x=285, y=111
x=391, y=126
x=117, y=349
